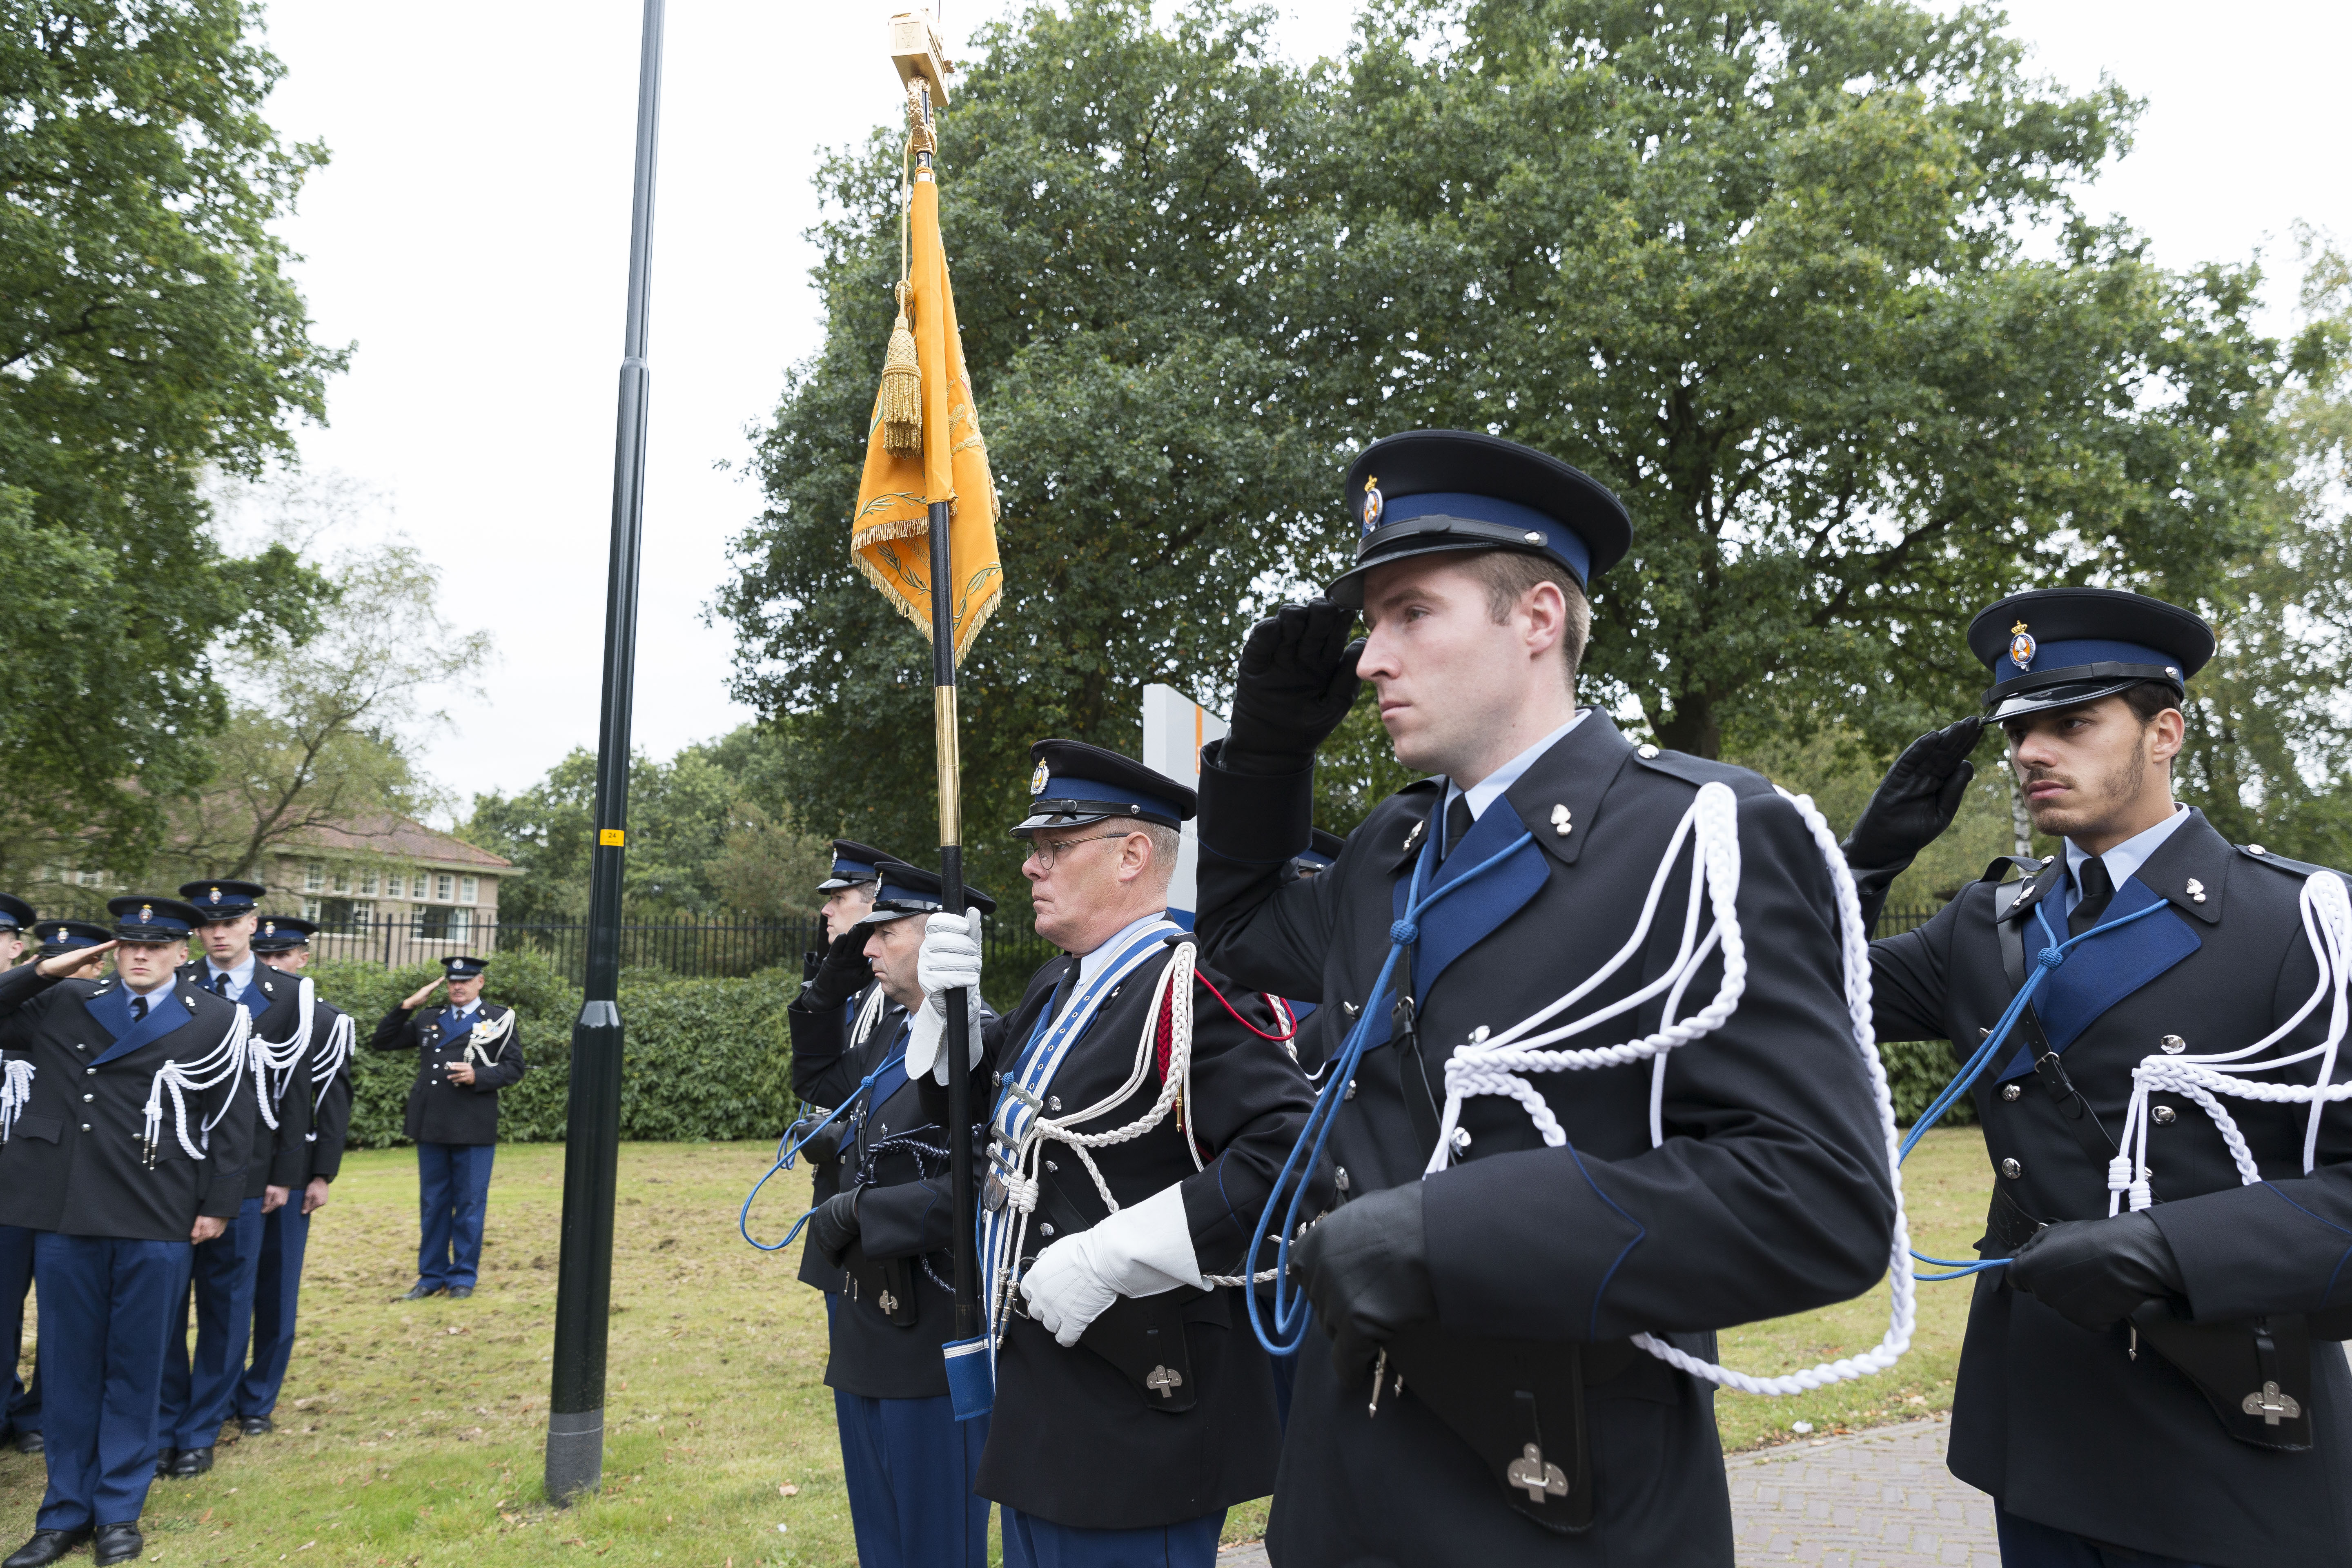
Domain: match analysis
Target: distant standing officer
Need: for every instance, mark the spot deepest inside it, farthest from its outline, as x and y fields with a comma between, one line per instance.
x=117, y=1200
x=906, y=1461
x=466, y=1051
x=200, y=1391
x=2162, y=1386
x=23, y=1424
x=283, y=943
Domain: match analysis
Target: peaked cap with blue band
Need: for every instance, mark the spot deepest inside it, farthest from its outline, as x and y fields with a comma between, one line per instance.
x=1421, y=492
x=463, y=966
x=911, y=890
x=139, y=918
x=853, y=864
x=221, y=899
x=283, y=933
x=16, y=914
x=64, y=936
x=2058, y=647
x=1074, y=783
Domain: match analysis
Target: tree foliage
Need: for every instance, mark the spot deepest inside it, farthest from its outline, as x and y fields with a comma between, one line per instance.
x=149, y=334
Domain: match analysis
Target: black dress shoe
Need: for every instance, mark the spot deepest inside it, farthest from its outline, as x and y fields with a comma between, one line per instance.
x=118, y=1543
x=29, y=1443
x=459, y=1293
x=418, y=1291
x=46, y=1546
x=191, y=1463
x=164, y=1459
x=255, y=1425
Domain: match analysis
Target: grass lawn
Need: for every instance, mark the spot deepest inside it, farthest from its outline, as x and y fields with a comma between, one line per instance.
x=411, y=1433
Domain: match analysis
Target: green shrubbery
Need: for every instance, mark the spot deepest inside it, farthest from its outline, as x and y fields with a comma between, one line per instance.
x=703, y=1058
x=1917, y=1071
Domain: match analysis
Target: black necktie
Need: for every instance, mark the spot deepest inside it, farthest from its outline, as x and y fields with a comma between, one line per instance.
x=138, y=1008
x=2098, y=892
x=1458, y=823
x=219, y=983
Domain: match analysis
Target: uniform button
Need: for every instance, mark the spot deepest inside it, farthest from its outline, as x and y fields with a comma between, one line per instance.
x=88, y=1098
x=2173, y=1045
x=1645, y=753
x=2165, y=1115
x=2010, y=1091
x=1342, y=1180
x=1052, y=1169
x=90, y=1072
x=1461, y=1139
x=85, y=1126
x=1351, y=1093
x=999, y=1080
x=1052, y=1102
x=2011, y=1168
x=1046, y=1229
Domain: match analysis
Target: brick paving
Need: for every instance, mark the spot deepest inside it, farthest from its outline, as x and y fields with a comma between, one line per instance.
x=1875, y=1498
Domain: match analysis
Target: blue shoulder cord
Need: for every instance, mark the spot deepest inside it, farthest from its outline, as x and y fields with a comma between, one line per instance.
x=785, y=1149
x=1289, y=1310
x=2050, y=958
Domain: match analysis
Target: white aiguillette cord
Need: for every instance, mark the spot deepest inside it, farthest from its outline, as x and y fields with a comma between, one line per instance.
x=1495, y=1066
x=224, y=1063
x=282, y=1058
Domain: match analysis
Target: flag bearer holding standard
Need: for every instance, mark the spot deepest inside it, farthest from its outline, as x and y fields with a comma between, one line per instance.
x=2158, y=1386
x=311, y=1161
x=126, y=1138
x=1133, y=1407
x=1483, y=1400
x=199, y=1391
x=465, y=1052
x=885, y=1231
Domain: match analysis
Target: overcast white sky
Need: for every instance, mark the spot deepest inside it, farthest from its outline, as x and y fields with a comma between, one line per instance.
x=471, y=237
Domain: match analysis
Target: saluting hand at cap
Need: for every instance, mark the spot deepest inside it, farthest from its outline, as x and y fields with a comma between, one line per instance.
x=72, y=959
x=1297, y=681
x=422, y=997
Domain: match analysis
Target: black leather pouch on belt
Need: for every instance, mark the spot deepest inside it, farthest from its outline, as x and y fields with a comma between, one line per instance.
x=883, y=1285
x=1143, y=1336
x=1519, y=1405
x=2256, y=1374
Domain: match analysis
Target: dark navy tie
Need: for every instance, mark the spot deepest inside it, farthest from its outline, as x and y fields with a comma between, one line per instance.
x=1458, y=823
x=2098, y=892
x=138, y=1008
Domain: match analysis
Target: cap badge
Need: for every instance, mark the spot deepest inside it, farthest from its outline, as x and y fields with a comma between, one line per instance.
x=269, y=927
x=1372, y=503
x=2020, y=645
x=146, y=913
x=216, y=895
x=1038, y=780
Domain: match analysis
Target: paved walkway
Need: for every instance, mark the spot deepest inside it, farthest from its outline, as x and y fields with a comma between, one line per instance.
x=1876, y=1498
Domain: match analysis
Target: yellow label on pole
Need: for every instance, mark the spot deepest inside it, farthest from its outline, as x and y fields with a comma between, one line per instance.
x=611, y=837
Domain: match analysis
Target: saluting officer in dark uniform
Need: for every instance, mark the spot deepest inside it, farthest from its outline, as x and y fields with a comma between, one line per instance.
x=1133, y=1406
x=22, y=1425
x=117, y=1200
x=57, y=937
x=198, y=1392
x=885, y=1231
x=827, y=1068
x=2147, y=1388
x=1505, y=1289
x=465, y=1052
x=283, y=943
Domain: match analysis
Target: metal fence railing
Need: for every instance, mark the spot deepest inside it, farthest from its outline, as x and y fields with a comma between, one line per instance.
x=1892, y=922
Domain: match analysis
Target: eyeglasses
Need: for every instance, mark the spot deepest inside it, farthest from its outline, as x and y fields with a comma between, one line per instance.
x=1043, y=850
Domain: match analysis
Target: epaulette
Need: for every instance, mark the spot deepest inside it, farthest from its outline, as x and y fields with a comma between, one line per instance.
x=2262, y=857
x=2002, y=864
x=1702, y=770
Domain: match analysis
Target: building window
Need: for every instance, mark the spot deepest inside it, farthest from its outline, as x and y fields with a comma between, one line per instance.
x=314, y=879
x=444, y=887
x=470, y=891
x=342, y=878
x=90, y=879
x=367, y=883
x=309, y=909
x=392, y=885
x=444, y=923
x=342, y=914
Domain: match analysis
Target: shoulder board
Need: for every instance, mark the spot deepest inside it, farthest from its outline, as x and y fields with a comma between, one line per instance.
x=2002, y=864
x=2261, y=856
x=1419, y=787
x=1701, y=770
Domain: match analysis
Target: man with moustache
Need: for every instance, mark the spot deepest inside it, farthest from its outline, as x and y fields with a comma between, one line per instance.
x=117, y=1199
x=2160, y=1387
x=885, y=1232
x=1482, y=1400
x=200, y=1391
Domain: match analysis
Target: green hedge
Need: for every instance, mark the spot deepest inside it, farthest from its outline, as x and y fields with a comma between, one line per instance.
x=1917, y=1072
x=701, y=1058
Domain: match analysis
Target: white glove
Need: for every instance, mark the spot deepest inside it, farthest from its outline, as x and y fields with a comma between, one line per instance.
x=1142, y=1250
x=948, y=961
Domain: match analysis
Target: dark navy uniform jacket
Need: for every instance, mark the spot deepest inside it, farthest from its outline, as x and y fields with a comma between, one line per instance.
x=77, y=1160
x=330, y=1106
x=440, y=1112
x=2065, y=1426
x=279, y=1157
x=827, y=1068
x=1073, y=1438
x=1769, y=1196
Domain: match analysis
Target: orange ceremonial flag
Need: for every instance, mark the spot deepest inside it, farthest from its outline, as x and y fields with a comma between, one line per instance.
x=891, y=533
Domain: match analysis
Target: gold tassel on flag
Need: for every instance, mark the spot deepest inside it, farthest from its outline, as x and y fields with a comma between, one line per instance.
x=902, y=387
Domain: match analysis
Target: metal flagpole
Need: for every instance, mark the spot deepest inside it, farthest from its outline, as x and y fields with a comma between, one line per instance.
x=961, y=1207
x=583, y=1288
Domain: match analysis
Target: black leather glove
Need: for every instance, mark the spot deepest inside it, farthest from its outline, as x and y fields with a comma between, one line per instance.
x=821, y=1145
x=833, y=1228
x=1910, y=809
x=1366, y=1269
x=2095, y=1272
x=842, y=975
x=1297, y=681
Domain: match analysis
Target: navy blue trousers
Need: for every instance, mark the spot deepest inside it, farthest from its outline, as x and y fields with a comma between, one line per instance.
x=453, y=1195
x=277, y=1284
x=899, y=1459
x=1033, y=1542
x=23, y=1407
x=105, y=1307
x=220, y=1275
x=2025, y=1545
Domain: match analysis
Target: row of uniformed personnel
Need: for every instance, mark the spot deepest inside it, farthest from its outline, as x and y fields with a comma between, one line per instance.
x=165, y=1133
x=2138, y=1389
